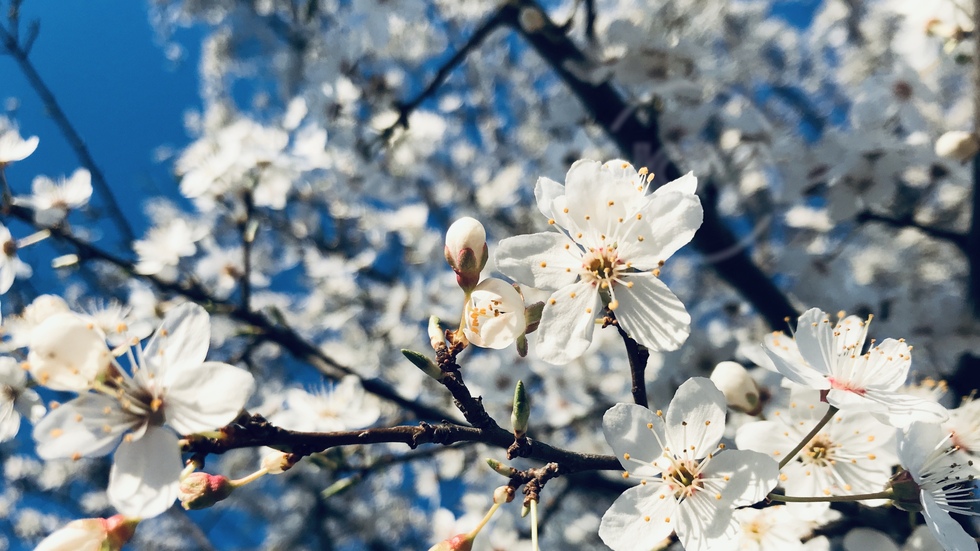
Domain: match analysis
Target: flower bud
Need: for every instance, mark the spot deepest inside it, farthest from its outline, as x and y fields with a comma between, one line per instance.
x=521, y=410
x=500, y=468
x=503, y=494
x=277, y=462
x=67, y=352
x=906, y=492
x=424, y=363
x=737, y=385
x=466, y=251
x=202, y=490
x=532, y=316
x=493, y=314
x=957, y=145
x=460, y=542
x=437, y=338
x=104, y=534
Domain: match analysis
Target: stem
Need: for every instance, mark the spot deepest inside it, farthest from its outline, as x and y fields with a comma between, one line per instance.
x=887, y=494
x=483, y=522
x=534, y=525
x=250, y=478
x=831, y=411
x=638, y=357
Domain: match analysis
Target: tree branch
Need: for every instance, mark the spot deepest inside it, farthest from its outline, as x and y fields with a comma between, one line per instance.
x=636, y=138
x=973, y=238
x=956, y=238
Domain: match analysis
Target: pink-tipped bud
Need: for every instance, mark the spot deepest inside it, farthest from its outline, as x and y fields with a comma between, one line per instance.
x=202, y=490
x=105, y=534
x=466, y=251
x=460, y=542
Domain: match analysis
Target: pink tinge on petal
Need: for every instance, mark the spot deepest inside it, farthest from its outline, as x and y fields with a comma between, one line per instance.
x=846, y=385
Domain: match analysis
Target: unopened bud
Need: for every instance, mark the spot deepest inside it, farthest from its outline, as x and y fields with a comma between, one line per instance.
x=437, y=338
x=905, y=492
x=202, y=490
x=423, y=362
x=521, y=411
x=500, y=468
x=532, y=316
x=104, y=534
x=737, y=385
x=957, y=145
x=503, y=494
x=460, y=542
x=466, y=251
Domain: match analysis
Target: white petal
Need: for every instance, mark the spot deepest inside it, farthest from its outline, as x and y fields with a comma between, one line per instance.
x=207, y=398
x=90, y=426
x=625, y=527
x=9, y=421
x=815, y=339
x=651, y=314
x=860, y=539
x=786, y=358
x=502, y=318
x=669, y=221
x=180, y=343
x=540, y=260
x=768, y=437
x=143, y=479
x=546, y=191
x=917, y=443
x=79, y=535
x=696, y=418
x=947, y=531
x=686, y=184
x=887, y=365
x=751, y=475
x=903, y=409
x=630, y=429
x=67, y=352
x=705, y=524
x=567, y=323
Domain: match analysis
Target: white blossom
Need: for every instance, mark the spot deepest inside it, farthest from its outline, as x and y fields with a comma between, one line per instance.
x=52, y=200
x=16, y=400
x=12, y=146
x=494, y=314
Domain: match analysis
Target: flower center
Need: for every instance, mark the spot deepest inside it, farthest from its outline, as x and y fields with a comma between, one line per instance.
x=820, y=451
x=602, y=266
x=7, y=393
x=9, y=247
x=684, y=478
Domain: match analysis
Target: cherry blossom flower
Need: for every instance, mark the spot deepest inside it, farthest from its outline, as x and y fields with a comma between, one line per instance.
x=172, y=384
x=775, y=528
x=68, y=352
x=345, y=406
x=944, y=485
x=494, y=314
x=52, y=200
x=852, y=454
x=16, y=400
x=613, y=238
x=163, y=247
x=10, y=264
x=91, y=534
x=833, y=362
x=13, y=147
x=687, y=483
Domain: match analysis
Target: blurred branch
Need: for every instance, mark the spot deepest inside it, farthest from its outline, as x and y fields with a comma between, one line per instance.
x=75, y=141
x=635, y=138
x=973, y=240
x=956, y=238
x=280, y=334
x=406, y=109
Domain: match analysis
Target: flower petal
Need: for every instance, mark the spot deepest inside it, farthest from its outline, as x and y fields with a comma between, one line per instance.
x=669, y=221
x=546, y=191
x=88, y=426
x=651, y=314
x=143, y=481
x=636, y=431
x=567, y=323
x=67, y=352
x=947, y=531
x=686, y=184
x=696, y=418
x=705, y=524
x=751, y=475
x=207, y=398
x=547, y=260
x=815, y=339
x=639, y=518
x=180, y=343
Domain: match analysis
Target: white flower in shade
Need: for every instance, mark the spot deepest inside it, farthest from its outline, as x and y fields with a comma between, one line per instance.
x=16, y=400
x=345, y=406
x=91, y=534
x=964, y=425
x=945, y=484
x=852, y=454
x=68, y=352
x=170, y=383
x=775, y=528
x=13, y=147
x=853, y=380
x=688, y=483
x=494, y=314
x=52, y=200
x=10, y=264
x=613, y=238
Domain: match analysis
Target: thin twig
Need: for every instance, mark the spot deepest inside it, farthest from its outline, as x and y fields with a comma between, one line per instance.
x=248, y=237
x=638, y=357
x=54, y=110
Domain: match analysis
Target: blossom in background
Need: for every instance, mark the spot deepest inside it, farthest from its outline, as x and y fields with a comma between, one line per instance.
x=494, y=314
x=852, y=454
x=170, y=383
x=11, y=265
x=687, y=483
x=91, y=534
x=13, y=147
x=68, y=352
x=52, y=200
x=16, y=400
x=613, y=238
x=964, y=426
x=944, y=484
x=345, y=406
x=163, y=247
x=775, y=528
x=833, y=361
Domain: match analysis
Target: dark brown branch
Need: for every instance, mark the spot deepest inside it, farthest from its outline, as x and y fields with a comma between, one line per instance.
x=279, y=334
x=71, y=135
x=956, y=238
x=406, y=109
x=638, y=357
x=254, y=431
x=636, y=138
